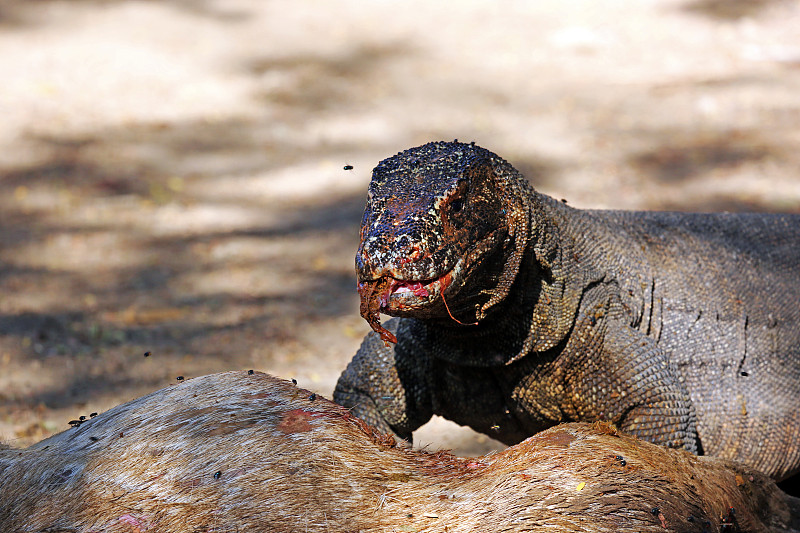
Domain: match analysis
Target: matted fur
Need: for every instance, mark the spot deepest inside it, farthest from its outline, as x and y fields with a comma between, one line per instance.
x=239, y=452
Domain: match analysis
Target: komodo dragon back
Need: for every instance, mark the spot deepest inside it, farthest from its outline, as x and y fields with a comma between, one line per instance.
x=515, y=312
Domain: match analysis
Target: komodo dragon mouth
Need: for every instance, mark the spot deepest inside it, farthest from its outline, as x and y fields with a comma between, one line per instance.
x=394, y=296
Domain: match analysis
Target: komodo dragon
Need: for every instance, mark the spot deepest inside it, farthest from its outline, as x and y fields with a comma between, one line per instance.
x=518, y=312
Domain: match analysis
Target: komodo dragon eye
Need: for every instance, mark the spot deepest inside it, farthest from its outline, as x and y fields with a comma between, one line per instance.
x=456, y=204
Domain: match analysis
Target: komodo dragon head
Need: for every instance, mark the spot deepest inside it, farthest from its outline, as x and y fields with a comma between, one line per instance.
x=443, y=233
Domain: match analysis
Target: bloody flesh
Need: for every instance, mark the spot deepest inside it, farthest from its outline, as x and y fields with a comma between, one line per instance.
x=375, y=293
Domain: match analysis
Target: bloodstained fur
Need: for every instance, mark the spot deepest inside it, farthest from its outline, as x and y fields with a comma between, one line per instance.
x=283, y=463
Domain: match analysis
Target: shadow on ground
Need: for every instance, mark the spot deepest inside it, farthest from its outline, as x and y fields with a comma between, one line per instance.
x=730, y=9
x=31, y=12
x=168, y=240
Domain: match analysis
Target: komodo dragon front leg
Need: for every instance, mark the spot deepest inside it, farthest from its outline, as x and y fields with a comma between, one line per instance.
x=616, y=373
x=385, y=389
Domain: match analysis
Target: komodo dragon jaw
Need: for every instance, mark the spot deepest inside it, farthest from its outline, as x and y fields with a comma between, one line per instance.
x=394, y=297
x=431, y=216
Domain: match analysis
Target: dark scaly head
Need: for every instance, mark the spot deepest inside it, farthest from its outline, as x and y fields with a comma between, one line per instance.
x=433, y=214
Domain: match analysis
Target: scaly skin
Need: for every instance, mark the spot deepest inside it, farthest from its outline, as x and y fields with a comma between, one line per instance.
x=517, y=312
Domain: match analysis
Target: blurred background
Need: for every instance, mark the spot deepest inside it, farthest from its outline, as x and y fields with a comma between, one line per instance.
x=171, y=173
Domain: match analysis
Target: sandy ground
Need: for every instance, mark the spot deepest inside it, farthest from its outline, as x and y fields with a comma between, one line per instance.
x=171, y=173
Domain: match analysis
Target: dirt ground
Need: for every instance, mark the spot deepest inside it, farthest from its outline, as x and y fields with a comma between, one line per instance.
x=171, y=173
